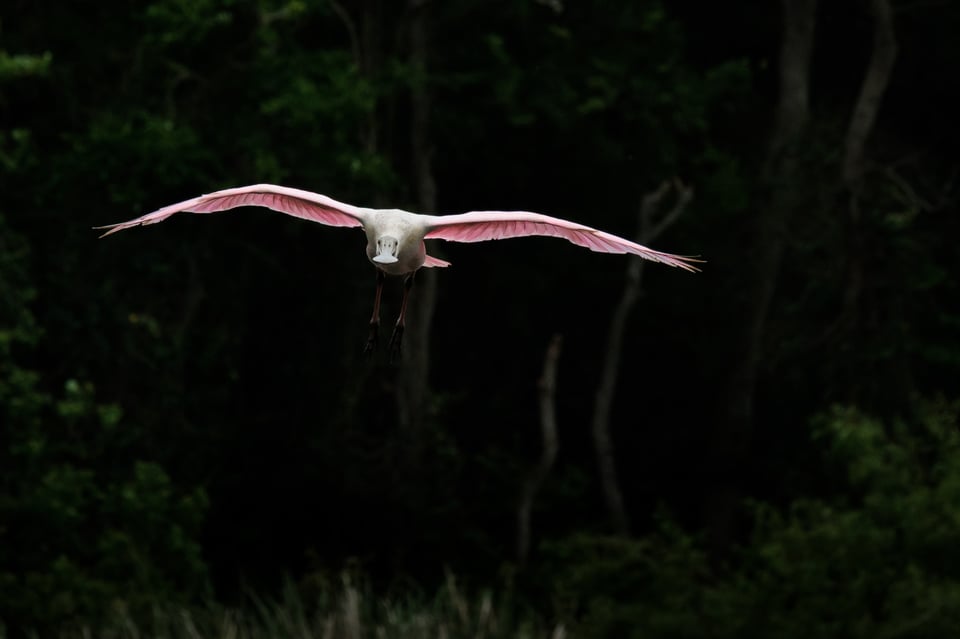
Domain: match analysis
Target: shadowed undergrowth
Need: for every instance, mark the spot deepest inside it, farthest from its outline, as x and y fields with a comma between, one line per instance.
x=347, y=611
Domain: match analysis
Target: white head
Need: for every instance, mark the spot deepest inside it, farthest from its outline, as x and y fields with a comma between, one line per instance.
x=387, y=249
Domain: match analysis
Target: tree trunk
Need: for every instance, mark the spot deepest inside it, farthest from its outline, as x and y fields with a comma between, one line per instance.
x=414, y=379
x=550, y=445
x=862, y=119
x=603, y=402
x=875, y=82
x=783, y=190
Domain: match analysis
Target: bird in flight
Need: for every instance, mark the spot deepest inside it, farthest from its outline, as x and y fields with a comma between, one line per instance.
x=395, y=237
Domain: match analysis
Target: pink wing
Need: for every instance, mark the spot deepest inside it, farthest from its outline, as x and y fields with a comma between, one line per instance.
x=303, y=204
x=479, y=226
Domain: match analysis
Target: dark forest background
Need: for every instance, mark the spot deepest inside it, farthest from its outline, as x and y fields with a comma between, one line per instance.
x=768, y=448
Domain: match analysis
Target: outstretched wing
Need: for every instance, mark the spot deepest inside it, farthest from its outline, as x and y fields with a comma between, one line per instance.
x=479, y=226
x=296, y=202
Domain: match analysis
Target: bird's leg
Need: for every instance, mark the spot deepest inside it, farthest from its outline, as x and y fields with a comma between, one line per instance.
x=397, y=336
x=375, y=319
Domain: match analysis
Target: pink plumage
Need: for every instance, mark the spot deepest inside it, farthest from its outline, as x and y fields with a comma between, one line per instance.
x=395, y=238
x=475, y=226
x=295, y=202
x=480, y=226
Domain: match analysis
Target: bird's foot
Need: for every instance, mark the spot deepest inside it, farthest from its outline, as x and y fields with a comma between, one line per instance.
x=372, y=339
x=395, y=341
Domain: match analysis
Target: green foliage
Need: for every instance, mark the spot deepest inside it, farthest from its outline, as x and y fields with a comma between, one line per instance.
x=878, y=559
x=185, y=22
x=572, y=77
x=82, y=524
x=14, y=66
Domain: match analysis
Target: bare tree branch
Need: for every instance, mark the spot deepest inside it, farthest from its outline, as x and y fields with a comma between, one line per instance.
x=862, y=119
x=603, y=401
x=875, y=82
x=352, y=32
x=906, y=193
x=684, y=196
x=551, y=444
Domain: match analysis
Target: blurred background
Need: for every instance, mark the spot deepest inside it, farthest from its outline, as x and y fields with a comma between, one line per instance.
x=573, y=444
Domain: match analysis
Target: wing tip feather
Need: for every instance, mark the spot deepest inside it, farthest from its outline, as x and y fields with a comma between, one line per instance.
x=684, y=262
x=111, y=229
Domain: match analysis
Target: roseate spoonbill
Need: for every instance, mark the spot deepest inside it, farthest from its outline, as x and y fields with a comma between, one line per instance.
x=395, y=237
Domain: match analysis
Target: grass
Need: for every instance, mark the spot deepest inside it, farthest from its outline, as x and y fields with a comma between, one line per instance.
x=343, y=611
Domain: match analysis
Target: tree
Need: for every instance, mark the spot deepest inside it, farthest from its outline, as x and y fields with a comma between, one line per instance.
x=787, y=183
x=653, y=221
x=876, y=558
x=413, y=393
x=84, y=519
